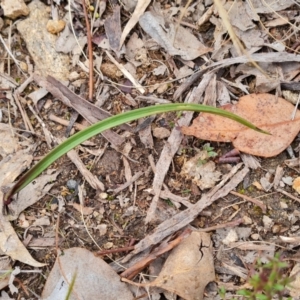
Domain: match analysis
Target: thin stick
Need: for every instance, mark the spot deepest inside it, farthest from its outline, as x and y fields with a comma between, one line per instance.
x=287, y=194
x=90, y=49
x=225, y=225
x=65, y=122
x=255, y=201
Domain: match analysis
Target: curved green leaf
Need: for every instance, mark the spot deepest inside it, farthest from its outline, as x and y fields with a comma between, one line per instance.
x=108, y=123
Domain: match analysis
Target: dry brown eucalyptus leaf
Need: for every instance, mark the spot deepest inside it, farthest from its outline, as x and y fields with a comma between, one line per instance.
x=268, y=112
x=189, y=268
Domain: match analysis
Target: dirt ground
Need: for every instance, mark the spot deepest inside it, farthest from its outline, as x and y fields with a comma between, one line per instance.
x=114, y=217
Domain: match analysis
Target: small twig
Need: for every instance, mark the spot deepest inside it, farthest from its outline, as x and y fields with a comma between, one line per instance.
x=116, y=250
x=24, y=288
x=126, y=73
x=128, y=183
x=65, y=122
x=11, y=55
x=26, y=120
x=287, y=194
x=255, y=201
x=90, y=49
x=48, y=136
x=225, y=225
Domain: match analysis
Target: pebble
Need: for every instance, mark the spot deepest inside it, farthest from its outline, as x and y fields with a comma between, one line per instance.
x=268, y=222
x=161, y=132
x=54, y=201
x=55, y=26
x=276, y=228
x=14, y=9
x=23, y=66
x=74, y=76
x=255, y=236
x=231, y=237
x=288, y=180
x=108, y=245
x=72, y=184
x=283, y=205
x=162, y=88
x=103, y=196
x=247, y=220
x=296, y=185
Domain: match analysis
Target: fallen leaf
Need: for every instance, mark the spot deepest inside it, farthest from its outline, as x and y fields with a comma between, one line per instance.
x=294, y=286
x=5, y=264
x=84, y=209
x=11, y=245
x=189, y=267
x=33, y=192
x=13, y=165
x=163, y=31
x=268, y=6
x=94, y=278
x=268, y=112
x=112, y=26
x=138, y=11
x=9, y=143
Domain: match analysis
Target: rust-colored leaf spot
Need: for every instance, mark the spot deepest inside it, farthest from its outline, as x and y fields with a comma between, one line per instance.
x=266, y=111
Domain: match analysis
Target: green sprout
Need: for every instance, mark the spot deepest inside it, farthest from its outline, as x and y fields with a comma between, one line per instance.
x=267, y=283
x=109, y=123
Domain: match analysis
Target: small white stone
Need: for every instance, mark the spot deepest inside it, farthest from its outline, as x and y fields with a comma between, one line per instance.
x=268, y=222
x=294, y=228
x=281, y=184
x=288, y=180
x=161, y=132
x=23, y=66
x=231, y=237
x=283, y=205
x=74, y=76
x=102, y=229
x=247, y=220
x=255, y=236
x=14, y=9
x=108, y=245
x=103, y=196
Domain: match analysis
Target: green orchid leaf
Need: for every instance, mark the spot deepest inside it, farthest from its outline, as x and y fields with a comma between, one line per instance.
x=108, y=123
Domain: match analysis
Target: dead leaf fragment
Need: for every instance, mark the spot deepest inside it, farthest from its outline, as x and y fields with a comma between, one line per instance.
x=11, y=245
x=296, y=185
x=189, y=267
x=138, y=11
x=93, y=278
x=201, y=172
x=163, y=31
x=9, y=144
x=294, y=286
x=33, y=192
x=266, y=111
x=84, y=209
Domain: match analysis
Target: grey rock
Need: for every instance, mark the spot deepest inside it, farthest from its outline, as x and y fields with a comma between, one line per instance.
x=41, y=44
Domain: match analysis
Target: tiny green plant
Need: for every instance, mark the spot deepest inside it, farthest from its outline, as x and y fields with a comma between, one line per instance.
x=268, y=282
x=186, y=192
x=209, y=153
x=169, y=202
x=109, y=123
x=210, y=150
